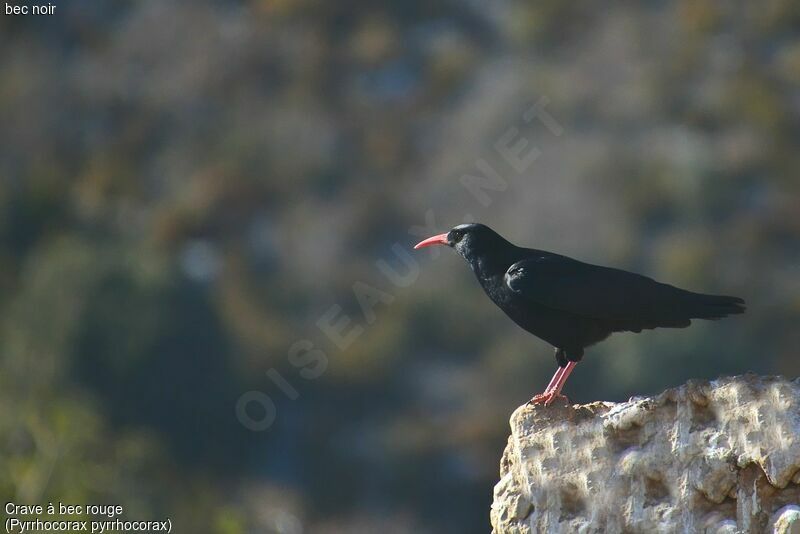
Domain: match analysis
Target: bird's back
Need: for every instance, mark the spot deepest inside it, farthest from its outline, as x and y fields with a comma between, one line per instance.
x=569, y=303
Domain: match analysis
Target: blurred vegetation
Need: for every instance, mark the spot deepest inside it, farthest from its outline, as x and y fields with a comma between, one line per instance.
x=186, y=189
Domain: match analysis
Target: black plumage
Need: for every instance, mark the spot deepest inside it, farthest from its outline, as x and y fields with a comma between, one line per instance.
x=571, y=304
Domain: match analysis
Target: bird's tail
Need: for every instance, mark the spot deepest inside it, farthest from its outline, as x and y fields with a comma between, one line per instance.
x=715, y=307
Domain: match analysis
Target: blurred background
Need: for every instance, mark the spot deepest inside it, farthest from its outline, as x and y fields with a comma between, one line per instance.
x=188, y=187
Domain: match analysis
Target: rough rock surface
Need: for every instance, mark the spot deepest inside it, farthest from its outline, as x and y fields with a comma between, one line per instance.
x=715, y=457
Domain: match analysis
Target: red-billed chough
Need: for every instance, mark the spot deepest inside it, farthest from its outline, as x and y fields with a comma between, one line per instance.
x=571, y=304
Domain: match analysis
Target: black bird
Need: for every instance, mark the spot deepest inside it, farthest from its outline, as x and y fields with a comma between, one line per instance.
x=571, y=304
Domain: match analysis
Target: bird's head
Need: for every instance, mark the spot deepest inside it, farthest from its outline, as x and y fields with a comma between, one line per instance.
x=467, y=239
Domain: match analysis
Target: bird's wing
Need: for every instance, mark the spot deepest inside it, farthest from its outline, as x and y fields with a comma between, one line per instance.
x=598, y=292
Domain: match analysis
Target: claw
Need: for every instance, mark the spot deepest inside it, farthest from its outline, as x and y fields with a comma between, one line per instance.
x=541, y=398
x=549, y=401
x=553, y=390
x=547, y=398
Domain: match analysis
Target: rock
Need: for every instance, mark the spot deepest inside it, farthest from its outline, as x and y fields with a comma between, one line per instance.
x=711, y=457
x=787, y=520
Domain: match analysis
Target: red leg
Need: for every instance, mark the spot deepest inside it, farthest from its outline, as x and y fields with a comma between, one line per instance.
x=560, y=382
x=554, y=380
x=553, y=390
x=542, y=397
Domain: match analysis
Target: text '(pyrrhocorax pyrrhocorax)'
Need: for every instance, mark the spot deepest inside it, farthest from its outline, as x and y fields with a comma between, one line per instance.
x=571, y=304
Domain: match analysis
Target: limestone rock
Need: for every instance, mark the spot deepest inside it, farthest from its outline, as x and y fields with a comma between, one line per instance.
x=709, y=457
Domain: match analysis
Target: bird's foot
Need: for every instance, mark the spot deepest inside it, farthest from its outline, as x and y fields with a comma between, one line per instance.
x=547, y=398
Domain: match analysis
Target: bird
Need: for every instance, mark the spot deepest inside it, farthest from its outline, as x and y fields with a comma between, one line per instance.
x=571, y=304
